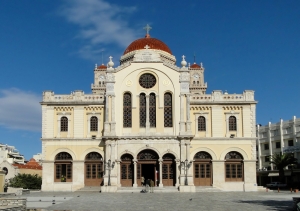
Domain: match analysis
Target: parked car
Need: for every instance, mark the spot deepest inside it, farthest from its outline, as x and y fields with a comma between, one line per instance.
x=276, y=185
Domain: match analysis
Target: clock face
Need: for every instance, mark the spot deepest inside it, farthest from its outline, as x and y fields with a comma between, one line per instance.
x=101, y=77
x=196, y=76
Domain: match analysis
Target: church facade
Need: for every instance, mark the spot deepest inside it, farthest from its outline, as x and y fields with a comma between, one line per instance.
x=148, y=117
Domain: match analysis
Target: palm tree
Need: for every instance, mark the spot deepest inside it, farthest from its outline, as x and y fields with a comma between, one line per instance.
x=281, y=161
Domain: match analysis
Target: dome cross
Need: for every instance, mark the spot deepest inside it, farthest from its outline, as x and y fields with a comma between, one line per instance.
x=147, y=28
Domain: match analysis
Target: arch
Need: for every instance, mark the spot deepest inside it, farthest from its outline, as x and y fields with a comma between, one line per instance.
x=148, y=148
x=168, y=156
x=239, y=150
x=84, y=154
x=124, y=158
x=126, y=152
x=232, y=123
x=147, y=155
x=142, y=110
x=94, y=123
x=202, y=155
x=201, y=123
x=52, y=156
x=93, y=156
x=170, y=152
x=152, y=109
x=203, y=149
x=62, y=156
x=233, y=155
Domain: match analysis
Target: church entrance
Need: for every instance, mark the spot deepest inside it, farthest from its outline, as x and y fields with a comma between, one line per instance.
x=202, y=169
x=147, y=166
x=93, y=167
x=126, y=170
x=169, y=170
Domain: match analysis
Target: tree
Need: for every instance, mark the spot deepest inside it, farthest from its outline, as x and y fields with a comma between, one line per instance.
x=281, y=161
x=26, y=181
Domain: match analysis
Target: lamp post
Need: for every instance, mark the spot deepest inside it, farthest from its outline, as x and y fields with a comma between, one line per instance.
x=185, y=165
x=109, y=165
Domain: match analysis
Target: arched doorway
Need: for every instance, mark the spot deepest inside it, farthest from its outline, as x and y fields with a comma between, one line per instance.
x=234, y=168
x=202, y=169
x=147, y=166
x=93, y=168
x=169, y=170
x=63, y=167
x=126, y=170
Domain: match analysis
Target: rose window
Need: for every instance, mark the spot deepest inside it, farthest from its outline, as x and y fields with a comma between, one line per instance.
x=147, y=81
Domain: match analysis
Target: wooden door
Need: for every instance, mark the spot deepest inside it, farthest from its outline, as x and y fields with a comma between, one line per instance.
x=202, y=174
x=126, y=174
x=93, y=174
x=168, y=174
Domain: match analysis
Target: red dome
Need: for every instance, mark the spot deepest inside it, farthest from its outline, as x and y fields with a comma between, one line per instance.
x=195, y=66
x=102, y=66
x=153, y=43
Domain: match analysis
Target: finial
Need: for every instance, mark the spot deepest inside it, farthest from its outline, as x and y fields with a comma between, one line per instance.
x=189, y=65
x=183, y=62
x=201, y=65
x=110, y=63
x=147, y=28
x=96, y=65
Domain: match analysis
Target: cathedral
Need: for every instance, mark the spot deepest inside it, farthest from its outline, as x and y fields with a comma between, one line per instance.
x=149, y=118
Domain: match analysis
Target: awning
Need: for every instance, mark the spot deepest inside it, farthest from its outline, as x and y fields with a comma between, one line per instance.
x=276, y=174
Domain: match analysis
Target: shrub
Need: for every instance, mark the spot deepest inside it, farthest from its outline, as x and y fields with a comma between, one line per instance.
x=26, y=181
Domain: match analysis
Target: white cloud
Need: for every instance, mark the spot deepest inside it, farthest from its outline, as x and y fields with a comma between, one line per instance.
x=101, y=24
x=20, y=110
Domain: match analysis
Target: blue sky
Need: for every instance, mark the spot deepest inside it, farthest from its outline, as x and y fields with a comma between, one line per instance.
x=54, y=45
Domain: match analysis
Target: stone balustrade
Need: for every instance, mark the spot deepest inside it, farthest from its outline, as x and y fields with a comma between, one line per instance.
x=219, y=96
x=76, y=96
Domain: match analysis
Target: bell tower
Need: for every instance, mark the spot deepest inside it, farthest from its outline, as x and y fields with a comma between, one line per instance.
x=197, y=85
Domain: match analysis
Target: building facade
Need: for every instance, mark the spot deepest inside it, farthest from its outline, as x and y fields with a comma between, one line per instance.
x=280, y=137
x=148, y=117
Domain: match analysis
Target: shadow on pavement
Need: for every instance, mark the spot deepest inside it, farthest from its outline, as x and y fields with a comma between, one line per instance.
x=272, y=204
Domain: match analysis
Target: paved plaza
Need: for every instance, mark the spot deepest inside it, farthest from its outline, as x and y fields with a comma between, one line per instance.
x=89, y=201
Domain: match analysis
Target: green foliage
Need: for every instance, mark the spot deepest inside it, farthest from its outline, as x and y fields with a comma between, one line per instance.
x=281, y=161
x=26, y=181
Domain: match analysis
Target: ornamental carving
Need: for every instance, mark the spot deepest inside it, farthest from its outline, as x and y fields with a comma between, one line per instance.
x=147, y=155
x=202, y=155
x=110, y=87
x=93, y=156
x=233, y=155
x=184, y=77
x=110, y=77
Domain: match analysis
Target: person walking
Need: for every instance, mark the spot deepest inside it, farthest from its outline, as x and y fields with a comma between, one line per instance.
x=151, y=186
x=143, y=181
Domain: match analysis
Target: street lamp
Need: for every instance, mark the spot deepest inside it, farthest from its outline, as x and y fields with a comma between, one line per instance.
x=185, y=165
x=109, y=165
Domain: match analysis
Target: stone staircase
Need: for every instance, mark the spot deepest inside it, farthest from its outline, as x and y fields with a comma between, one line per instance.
x=207, y=189
x=168, y=189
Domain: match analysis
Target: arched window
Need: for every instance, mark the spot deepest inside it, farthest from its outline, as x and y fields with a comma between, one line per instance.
x=63, y=124
x=93, y=169
x=168, y=120
x=152, y=110
x=63, y=167
x=127, y=116
x=232, y=123
x=142, y=110
x=234, y=170
x=94, y=123
x=201, y=123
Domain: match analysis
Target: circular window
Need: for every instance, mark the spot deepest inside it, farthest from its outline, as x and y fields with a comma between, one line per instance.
x=147, y=81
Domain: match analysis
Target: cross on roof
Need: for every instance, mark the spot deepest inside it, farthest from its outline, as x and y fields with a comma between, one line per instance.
x=147, y=28
x=147, y=47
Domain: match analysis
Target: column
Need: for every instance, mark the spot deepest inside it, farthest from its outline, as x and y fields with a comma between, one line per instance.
x=160, y=172
x=182, y=129
x=188, y=119
x=89, y=126
x=106, y=124
x=135, y=173
x=58, y=127
x=147, y=114
x=98, y=129
x=177, y=172
x=113, y=122
x=69, y=127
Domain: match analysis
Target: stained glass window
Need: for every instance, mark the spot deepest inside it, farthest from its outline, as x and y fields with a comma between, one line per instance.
x=94, y=123
x=147, y=81
x=168, y=121
x=64, y=124
x=201, y=123
x=127, y=116
x=142, y=110
x=232, y=123
x=152, y=110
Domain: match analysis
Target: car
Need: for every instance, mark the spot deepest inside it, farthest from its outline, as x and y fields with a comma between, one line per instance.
x=276, y=184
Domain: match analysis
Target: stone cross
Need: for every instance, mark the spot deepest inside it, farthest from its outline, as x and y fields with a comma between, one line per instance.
x=183, y=57
x=147, y=28
x=147, y=47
